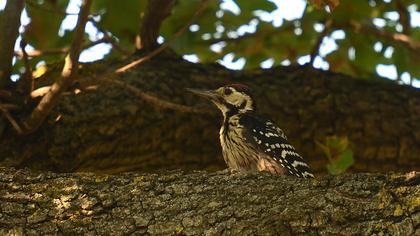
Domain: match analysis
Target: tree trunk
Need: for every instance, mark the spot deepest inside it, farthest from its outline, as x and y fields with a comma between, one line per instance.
x=9, y=26
x=202, y=203
x=112, y=130
x=156, y=13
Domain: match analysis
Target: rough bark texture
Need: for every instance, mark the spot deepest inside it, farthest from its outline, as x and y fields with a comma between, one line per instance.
x=156, y=13
x=9, y=27
x=111, y=130
x=202, y=203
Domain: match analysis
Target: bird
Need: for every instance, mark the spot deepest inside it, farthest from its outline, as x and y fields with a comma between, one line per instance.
x=251, y=142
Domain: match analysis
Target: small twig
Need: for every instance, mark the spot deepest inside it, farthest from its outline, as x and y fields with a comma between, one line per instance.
x=68, y=73
x=116, y=46
x=5, y=93
x=28, y=69
x=154, y=100
x=110, y=39
x=12, y=121
x=203, y=5
x=40, y=92
x=315, y=49
x=38, y=53
x=266, y=33
x=401, y=39
x=8, y=106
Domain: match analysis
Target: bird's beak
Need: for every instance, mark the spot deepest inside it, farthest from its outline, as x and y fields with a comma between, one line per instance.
x=209, y=94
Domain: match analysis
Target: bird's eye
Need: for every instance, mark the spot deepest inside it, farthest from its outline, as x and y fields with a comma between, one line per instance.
x=227, y=91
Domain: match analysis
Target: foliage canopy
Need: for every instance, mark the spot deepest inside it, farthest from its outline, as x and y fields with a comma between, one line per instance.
x=363, y=34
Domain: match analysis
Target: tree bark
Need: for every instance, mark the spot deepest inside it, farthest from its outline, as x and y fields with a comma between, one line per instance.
x=156, y=13
x=202, y=203
x=9, y=27
x=112, y=130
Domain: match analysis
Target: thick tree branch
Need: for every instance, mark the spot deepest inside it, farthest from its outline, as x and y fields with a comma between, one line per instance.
x=68, y=73
x=404, y=18
x=159, y=103
x=203, y=5
x=202, y=203
x=156, y=12
x=111, y=130
x=9, y=28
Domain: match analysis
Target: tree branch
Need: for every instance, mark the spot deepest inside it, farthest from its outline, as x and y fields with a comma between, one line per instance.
x=404, y=18
x=110, y=39
x=58, y=51
x=28, y=80
x=9, y=29
x=12, y=121
x=67, y=75
x=158, y=103
x=396, y=38
x=257, y=34
x=156, y=12
x=315, y=49
x=38, y=53
x=202, y=203
x=203, y=5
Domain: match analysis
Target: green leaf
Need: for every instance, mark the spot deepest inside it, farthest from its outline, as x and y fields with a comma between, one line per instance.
x=342, y=163
x=249, y=6
x=42, y=31
x=405, y=60
x=340, y=156
x=352, y=10
x=121, y=18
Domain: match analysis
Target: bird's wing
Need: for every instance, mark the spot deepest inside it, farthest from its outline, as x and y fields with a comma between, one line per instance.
x=271, y=140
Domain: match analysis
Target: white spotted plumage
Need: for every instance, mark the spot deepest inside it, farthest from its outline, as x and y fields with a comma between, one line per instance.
x=249, y=141
x=279, y=149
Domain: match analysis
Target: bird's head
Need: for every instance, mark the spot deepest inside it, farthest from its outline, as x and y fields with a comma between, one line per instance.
x=230, y=99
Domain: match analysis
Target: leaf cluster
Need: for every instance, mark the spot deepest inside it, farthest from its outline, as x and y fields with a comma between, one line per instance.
x=361, y=34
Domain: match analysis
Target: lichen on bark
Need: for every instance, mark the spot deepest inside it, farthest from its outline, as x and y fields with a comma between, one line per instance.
x=203, y=203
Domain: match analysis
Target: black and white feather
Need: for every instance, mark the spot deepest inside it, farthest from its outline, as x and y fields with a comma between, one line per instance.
x=249, y=141
x=271, y=140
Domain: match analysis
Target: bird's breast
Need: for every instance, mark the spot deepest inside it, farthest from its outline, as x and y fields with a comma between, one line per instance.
x=237, y=152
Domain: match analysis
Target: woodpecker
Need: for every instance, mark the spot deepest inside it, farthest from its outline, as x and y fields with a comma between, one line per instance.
x=250, y=142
